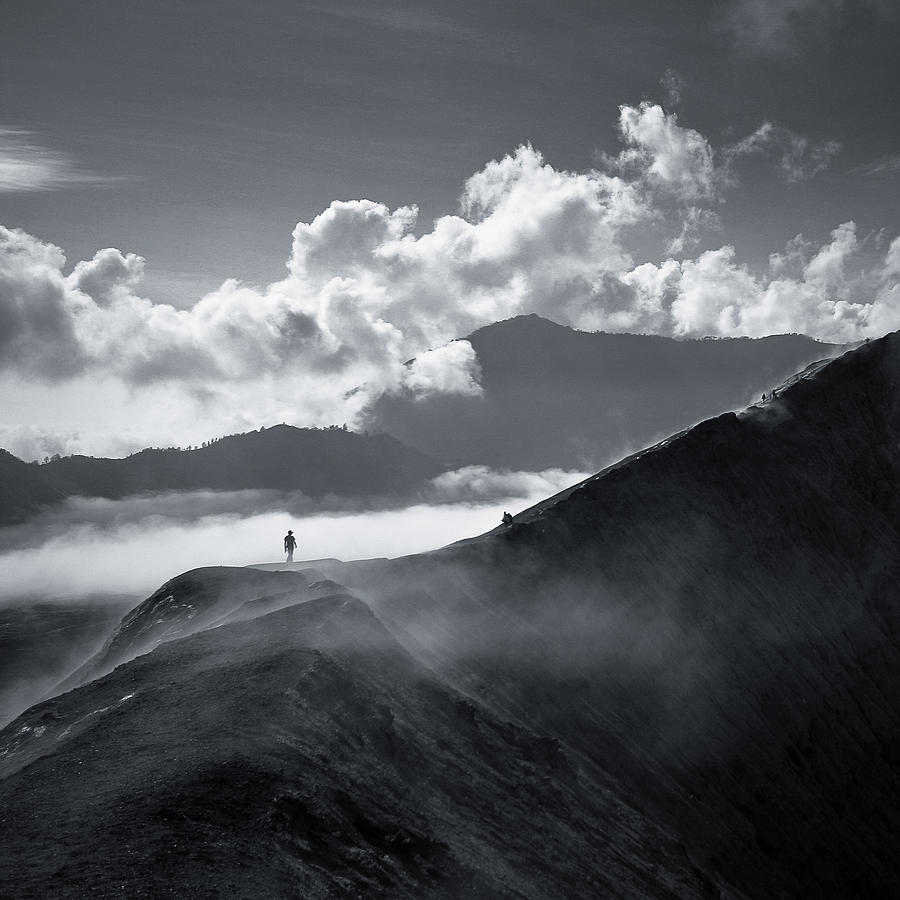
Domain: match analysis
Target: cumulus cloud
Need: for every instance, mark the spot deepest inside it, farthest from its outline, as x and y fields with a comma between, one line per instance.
x=451, y=369
x=26, y=165
x=664, y=156
x=677, y=159
x=828, y=297
x=362, y=290
x=37, y=330
x=366, y=287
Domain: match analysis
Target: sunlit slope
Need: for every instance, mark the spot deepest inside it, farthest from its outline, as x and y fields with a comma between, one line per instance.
x=306, y=754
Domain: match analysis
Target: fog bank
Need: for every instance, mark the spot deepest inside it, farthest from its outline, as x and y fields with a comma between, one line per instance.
x=137, y=556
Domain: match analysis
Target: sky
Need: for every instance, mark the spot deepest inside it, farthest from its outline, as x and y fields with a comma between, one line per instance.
x=221, y=215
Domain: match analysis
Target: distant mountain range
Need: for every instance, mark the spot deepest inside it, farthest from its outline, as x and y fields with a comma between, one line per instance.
x=317, y=462
x=677, y=679
x=553, y=396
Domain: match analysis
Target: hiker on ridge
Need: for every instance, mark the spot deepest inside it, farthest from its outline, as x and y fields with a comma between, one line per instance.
x=506, y=520
x=290, y=544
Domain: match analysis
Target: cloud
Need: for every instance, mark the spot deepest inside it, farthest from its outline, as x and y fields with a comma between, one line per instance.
x=28, y=166
x=37, y=330
x=362, y=291
x=35, y=562
x=676, y=159
x=882, y=167
x=783, y=27
x=828, y=297
x=679, y=162
x=473, y=483
x=695, y=221
x=31, y=443
x=673, y=84
x=367, y=287
x=799, y=158
x=451, y=369
x=773, y=27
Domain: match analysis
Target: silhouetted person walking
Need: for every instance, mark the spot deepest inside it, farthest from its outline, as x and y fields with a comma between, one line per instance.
x=290, y=544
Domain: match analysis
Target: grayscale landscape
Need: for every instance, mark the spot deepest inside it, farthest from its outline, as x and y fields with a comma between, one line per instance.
x=450, y=450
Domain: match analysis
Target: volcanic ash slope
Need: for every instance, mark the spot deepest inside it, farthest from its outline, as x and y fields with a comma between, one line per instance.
x=679, y=679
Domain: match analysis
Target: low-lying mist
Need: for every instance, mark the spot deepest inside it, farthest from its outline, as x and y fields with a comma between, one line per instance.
x=133, y=545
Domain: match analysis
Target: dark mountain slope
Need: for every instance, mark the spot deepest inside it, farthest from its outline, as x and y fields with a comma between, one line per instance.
x=306, y=754
x=185, y=604
x=315, y=461
x=24, y=489
x=716, y=622
x=558, y=397
x=707, y=634
x=41, y=643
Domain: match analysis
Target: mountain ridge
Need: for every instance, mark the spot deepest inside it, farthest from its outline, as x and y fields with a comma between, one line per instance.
x=708, y=634
x=555, y=396
x=316, y=462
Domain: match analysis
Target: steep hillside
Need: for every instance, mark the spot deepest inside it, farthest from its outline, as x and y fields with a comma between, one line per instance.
x=678, y=679
x=188, y=603
x=24, y=489
x=716, y=622
x=553, y=396
x=306, y=754
x=41, y=643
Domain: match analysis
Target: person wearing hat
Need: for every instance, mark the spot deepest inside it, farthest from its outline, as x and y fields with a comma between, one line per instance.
x=290, y=544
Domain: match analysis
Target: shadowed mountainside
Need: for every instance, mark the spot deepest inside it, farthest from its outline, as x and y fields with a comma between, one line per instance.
x=24, y=490
x=703, y=640
x=306, y=754
x=314, y=461
x=553, y=396
x=188, y=603
x=716, y=622
x=40, y=643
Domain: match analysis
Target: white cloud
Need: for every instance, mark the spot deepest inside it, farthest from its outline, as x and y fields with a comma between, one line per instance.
x=474, y=483
x=366, y=288
x=677, y=159
x=695, y=221
x=362, y=290
x=451, y=369
x=799, y=158
x=27, y=166
x=829, y=297
x=881, y=167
